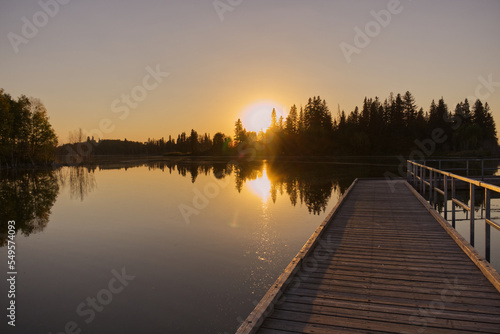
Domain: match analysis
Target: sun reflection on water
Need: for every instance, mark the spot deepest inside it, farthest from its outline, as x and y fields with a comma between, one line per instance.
x=261, y=186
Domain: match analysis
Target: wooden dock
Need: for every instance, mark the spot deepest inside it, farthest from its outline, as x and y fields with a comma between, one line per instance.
x=382, y=261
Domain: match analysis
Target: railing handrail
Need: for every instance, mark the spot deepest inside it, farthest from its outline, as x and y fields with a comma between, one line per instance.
x=467, y=168
x=462, y=178
x=418, y=172
x=462, y=159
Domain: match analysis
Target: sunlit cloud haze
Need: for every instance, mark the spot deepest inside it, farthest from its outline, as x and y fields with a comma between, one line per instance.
x=91, y=53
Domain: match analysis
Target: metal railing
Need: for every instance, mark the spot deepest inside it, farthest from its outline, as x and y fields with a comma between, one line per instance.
x=421, y=176
x=469, y=163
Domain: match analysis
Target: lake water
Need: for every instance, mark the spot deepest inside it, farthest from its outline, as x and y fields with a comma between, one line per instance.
x=160, y=246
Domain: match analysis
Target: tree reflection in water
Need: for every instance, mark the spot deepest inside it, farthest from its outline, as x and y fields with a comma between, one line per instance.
x=27, y=198
x=81, y=180
x=310, y=184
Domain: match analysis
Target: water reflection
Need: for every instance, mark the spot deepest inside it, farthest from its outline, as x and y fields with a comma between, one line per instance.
x=261, y=186
x=27, y=198
x=310, y=184
x=81, y=180
x=463, y=196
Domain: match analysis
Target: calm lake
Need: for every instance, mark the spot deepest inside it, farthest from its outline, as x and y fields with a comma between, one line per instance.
x=162, y=246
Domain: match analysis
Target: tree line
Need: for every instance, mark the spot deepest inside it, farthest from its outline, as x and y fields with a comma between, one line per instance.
x=26, y=135
x=395, y=125
x=392, y=126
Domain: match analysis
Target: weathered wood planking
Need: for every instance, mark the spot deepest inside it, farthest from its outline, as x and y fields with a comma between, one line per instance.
x=382, y=261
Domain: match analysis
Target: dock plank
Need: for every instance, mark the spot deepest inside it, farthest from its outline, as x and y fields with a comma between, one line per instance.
x=381, y=263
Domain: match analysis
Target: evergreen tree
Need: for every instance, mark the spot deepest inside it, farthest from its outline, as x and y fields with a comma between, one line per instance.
x=274, y=123
x=240, y=132
x=291, y=121
x=410, y=109
x=193, y=141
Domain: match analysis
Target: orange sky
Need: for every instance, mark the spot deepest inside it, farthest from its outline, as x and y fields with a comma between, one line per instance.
x=93, y=63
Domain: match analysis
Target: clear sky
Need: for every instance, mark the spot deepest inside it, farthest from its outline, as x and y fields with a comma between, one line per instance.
x=83, y=58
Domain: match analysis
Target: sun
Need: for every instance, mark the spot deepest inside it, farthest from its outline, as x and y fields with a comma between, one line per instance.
x=257, y=116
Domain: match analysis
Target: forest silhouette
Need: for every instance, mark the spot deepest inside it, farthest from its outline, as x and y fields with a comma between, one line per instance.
x=392, y=126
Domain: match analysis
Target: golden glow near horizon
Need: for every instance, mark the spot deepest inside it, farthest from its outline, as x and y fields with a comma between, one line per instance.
x=259, y=53
x=257, y=116
x=261, y=186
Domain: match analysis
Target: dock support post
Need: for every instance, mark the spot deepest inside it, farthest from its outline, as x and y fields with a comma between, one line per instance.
x=471, y=206
x=482, y=169
x=436, y=177
x=452, y=203
x=421, y=180
x=414, y=169
x=445, y=189
x=431, y=201
x=408, y=171
x=424, y=171
x=487, y=234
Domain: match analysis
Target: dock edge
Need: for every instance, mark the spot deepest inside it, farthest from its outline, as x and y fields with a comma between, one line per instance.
x=266, y=305
x=486, y=268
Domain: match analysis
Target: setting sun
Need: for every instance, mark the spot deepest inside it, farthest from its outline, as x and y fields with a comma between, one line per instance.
x=257, y=116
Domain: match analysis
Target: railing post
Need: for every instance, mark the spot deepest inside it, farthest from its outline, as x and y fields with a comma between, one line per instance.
x=414, y=169
x=420, y=173
x=452, y=203
x=436, y=175
x=445, y=189
x=408, y=171
x=467, y=167
x=487, y=235
x=472, y=227
x=430, y=187
x=424, y=171
x=482, y=169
